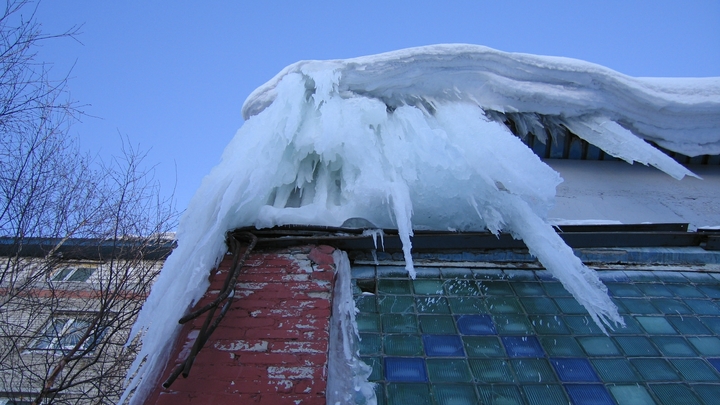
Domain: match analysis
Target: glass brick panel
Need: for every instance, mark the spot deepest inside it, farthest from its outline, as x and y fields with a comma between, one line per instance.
x=574, y=370
x=432, y=305
x=673, y=346
x=695, y=370
x=370, y=343
x=706, y=345
x=476, y=325
x=582, y=325
x=467, y=305
x=561, y=346
x=655, y=369
x=455, y=394
x=503, y=305
x=437, y=324
x=669, y=394
x=403, y=394
x=570, y=306
x=403, y=369
x=615, y=370
x=397, y=304
x=545, y=394
x=669, y=306
x=398, y=323
x=386, y=286
x=689, y=325
x=539, y=305
x=500, y=394
x=656, y=325
x=654, y=290
x=376, y=364
x=491, y=371
x=483, y=346
x=513, y=325
x=496, y=288
x=595, y=394
x=522, y=346
x=368, y=322
x=598, y=346
x=631, y=395
x=549, y=325
x=710, y=394
x=428, y=287
x=524, y=289
x=702, y=307
x=636, y=346
x=461, y=287
x=533, y=370
x=448, y=371
x=403, y=345
x=443, y=346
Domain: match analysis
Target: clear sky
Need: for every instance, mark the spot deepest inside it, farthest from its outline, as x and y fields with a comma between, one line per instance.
x=173, y=75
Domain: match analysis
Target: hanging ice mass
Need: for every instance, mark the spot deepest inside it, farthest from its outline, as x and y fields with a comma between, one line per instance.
x=415, y=139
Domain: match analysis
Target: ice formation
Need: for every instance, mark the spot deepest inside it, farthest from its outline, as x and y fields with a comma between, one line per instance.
x=414, y=139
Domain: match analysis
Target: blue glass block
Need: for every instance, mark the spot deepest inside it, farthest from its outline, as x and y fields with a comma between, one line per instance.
x=582, y=325
x=376, y=364
x=496, y=288
x=615, y=370
x=655, y=369
x=699, y=278
x=448, y=370
x=561, y=346
x=522, y=346
x=500, y=394
x=636, y=346
x=570, y=306
x=396, y=304
x=671, y=394
x=715, y=363
x=467, y=305
x=631, y=395
x=703, y=307
x=712, y=291
x=623, y=290
x=503, y=305
x=443, y=346
x=656, y=325
x=595, y=394
x=673, y=346
x=483, y=346
x=461, y=287
x=437, y=324
x=394, y=286
x=456, y=394
x=654, y=290
x=688, y=325
x=370, y=343
x=610, y=276
x=695, y=370
x=574, y=370
x=598, y=346
x=476, y=325
x=706, y=345
x=639, y=306
x=640, y=276
x=710, y=394
x=525, y=289
x=671, y=306
x=533, y=370
x=713, y=323
x=545, y=394
x=491, y=371
x=539, y=305
x=428, y=287
x=405, y=369
x=671, y=276
x=432, y=305
x=399, y=323
x=556, y=290
x=403, y=394
x=685, y=291
x=549, y=325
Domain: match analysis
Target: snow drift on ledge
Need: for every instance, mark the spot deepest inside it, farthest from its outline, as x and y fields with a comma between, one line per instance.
x=414, y=139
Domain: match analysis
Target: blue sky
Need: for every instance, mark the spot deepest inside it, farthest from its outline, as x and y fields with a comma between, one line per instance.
x=172, y=75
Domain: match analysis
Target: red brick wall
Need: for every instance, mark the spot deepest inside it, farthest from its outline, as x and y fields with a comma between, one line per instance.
x=272, y=345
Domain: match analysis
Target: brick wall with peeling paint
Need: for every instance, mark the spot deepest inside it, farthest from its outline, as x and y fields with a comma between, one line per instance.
x=272, y=345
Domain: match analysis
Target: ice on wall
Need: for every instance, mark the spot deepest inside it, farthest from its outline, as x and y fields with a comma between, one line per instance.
x=414, y=139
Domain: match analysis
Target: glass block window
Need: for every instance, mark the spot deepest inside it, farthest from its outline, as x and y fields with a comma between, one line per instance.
x=512, y=336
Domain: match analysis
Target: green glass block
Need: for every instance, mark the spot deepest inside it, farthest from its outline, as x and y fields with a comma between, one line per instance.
x=615, y=370
x=483, y=346
x=376, y=364
x=656, y=325
x=461, y=287
x=404, y=393
x=706, y=345
x=427, y=272
x=671, y=394
x=394, y=287
x=702, y=307
x=688, y=325
x=428, y=287
x=432, y=305
x=632, y=327
x=533, y=370
x=582, y=325
x=539, y=305
x=467, y=305
x=513, y=325
x=545, y=394
x=673, y=346
x=556, y=290
x=496, y=288
x=712, y=291
x=437, y=324
x=368, y=322
x=366, y=303
x=397, y=304
x=708, y=393
x=654, y=290
x=403, y=345
x=503, y=305
x=621, y=308
x=549, y=325
x=570, y=306
x=370, y=343
x=491, y=371
x=523, y=289
x=399, y=323
x=598, y=346
x=685, y=291
x=631, y=395
x=655, y=369
x=380, y=394
x=671, y=306
x=455, y=394
x=448, y=370
x=623, y=290
x=695, y=370
x=713, y=323
x=500, y=394
x=639, y=306
x=561, y=346
x=636, y=346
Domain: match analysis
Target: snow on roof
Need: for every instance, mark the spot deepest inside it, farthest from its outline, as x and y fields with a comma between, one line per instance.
x=413, y=139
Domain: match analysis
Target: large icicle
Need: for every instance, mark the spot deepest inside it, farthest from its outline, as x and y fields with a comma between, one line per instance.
x=410, y=140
